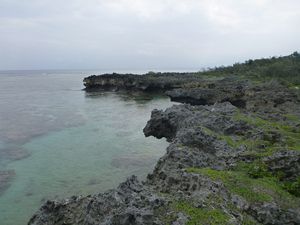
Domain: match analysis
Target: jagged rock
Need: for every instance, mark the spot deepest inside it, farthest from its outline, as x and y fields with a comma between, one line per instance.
x=225, y=90
x=242, y=94
x=166, y=124
x=287, y=163
x=147, y=82
x=270, y=213
x=193, y=89
x=192, y=131
x=130, y=203
x=270, y=98
x=194, y=96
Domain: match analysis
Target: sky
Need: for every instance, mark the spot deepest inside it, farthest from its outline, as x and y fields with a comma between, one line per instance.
x=144, y=34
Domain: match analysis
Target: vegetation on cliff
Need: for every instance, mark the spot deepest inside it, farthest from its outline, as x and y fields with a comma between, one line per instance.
x=284, y=68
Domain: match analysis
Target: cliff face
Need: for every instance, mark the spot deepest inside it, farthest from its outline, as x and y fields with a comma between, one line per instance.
x=233, y=158
x=147, y=82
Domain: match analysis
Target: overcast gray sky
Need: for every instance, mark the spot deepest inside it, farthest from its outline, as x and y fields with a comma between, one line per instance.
x=144, y=34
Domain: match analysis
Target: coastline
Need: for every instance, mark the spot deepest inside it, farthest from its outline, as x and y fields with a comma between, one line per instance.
x=227, y=147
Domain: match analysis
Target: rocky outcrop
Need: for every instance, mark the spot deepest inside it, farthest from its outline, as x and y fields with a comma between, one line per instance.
x=194, y=89
x=199, y=140
x=227, y=150
x=286, y=162
x=130, y=203
x=229, y=89
x=147, y=82
x=242, y=94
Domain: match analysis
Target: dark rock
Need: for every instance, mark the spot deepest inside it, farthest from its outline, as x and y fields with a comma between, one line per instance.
x=226, y=90
x=130, y=203
x=270, y=213
x=146, y=82
x=194, y=96
x=287, y=163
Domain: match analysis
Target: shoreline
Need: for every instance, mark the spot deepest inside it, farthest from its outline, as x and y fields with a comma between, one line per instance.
x=233, y=154
x=220, y=166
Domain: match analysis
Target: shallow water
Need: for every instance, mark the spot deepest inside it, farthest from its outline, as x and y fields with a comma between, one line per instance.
x=60, y=141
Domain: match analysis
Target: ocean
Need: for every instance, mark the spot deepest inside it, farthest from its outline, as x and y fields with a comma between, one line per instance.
x=56, y=140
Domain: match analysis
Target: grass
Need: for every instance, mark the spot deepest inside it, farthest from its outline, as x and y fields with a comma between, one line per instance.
x=264, y=189
x=255, y=147
x=292, y=117
x=255, y=176
x=230, y=141
x=251, y=144
x=195, y=215
x=212, y=214
x=290, y=134
x=258, y=169
x=202, y=216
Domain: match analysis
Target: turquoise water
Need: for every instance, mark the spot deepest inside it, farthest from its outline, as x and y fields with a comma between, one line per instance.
x=60, y=141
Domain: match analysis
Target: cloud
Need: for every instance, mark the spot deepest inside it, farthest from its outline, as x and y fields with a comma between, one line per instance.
x=144, y=34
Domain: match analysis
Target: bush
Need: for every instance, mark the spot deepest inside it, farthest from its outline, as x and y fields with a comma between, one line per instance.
x=293, y=187
x=258, y=170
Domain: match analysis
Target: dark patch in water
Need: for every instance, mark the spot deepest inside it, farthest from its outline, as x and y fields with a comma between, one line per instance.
x=28, y=194
x=126, y=161
x=5, y=179
x=13, y=153
x=93, y=182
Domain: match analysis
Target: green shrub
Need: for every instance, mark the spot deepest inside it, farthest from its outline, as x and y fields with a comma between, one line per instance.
x=258, y=170
x=293, y=187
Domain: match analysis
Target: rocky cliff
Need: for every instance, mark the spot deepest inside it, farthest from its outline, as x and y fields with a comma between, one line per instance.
x=146, y=82
x=233, y=158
